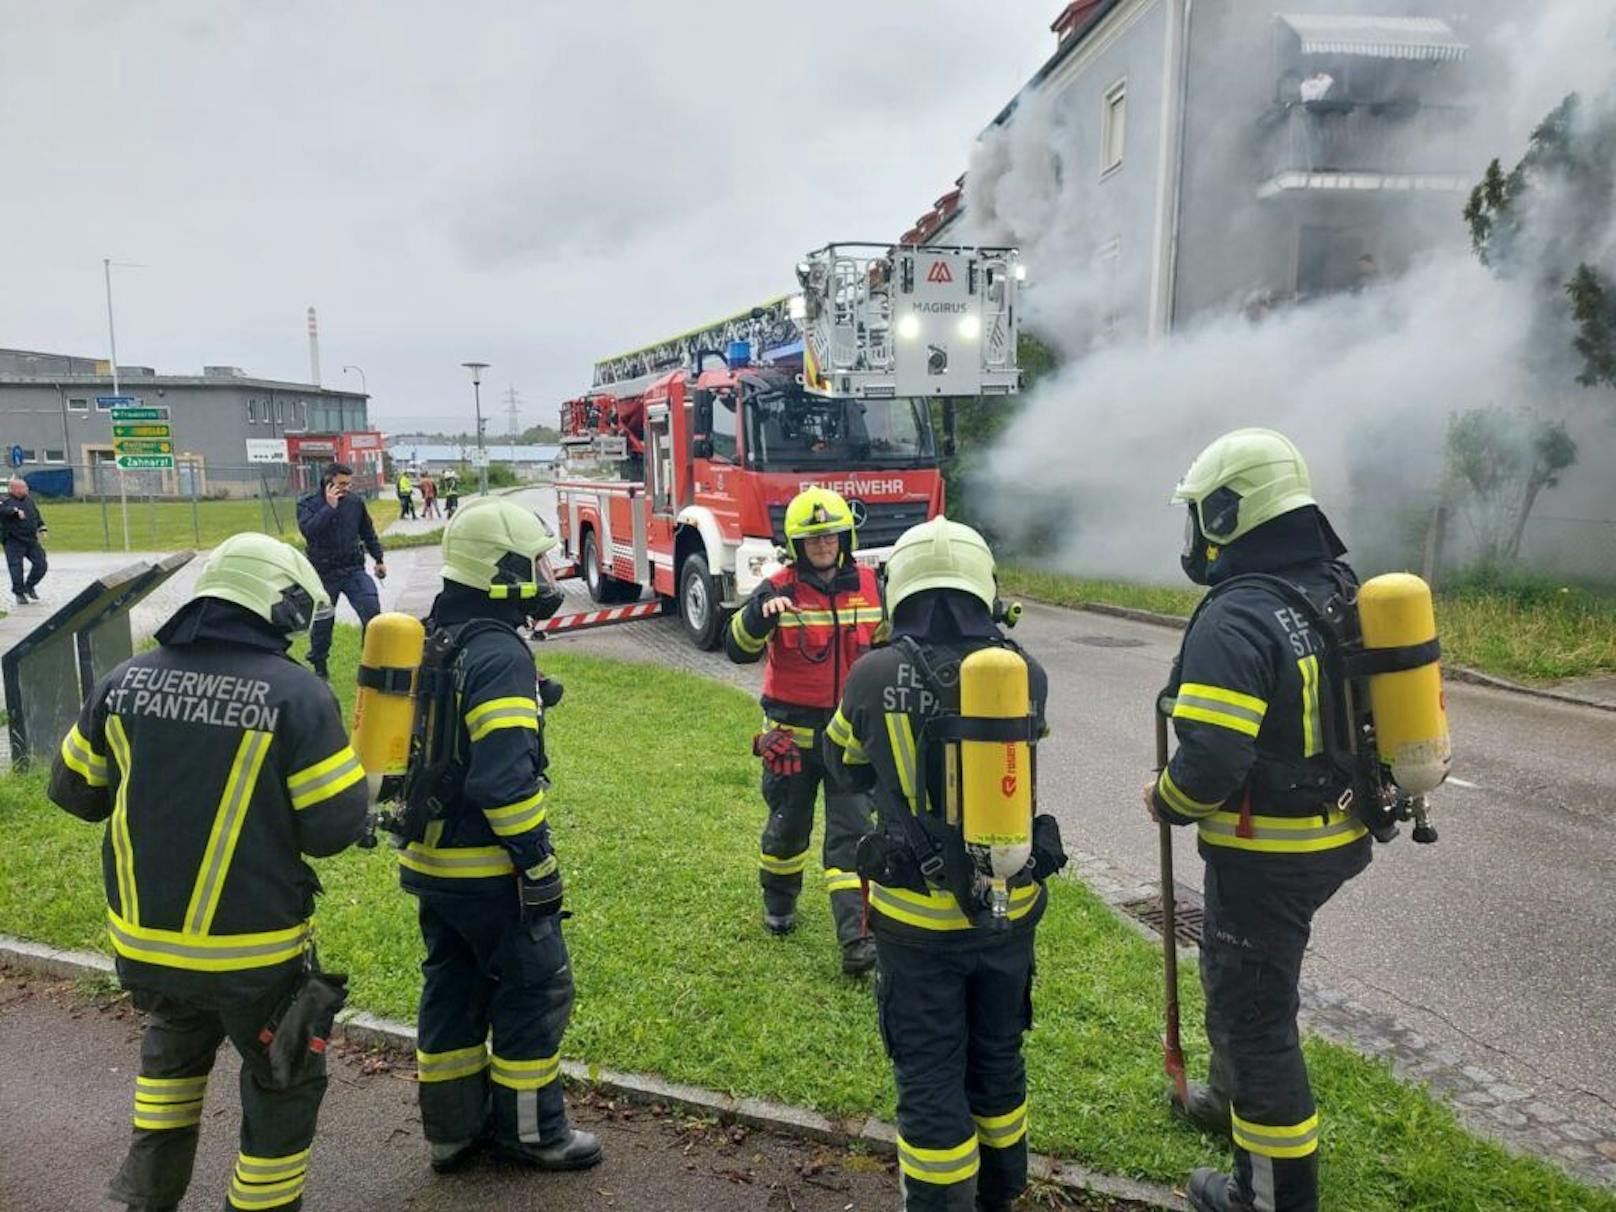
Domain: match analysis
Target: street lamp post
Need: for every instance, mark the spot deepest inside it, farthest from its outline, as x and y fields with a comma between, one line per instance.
x=112, y=340
x=477, y=369
x=363, y=390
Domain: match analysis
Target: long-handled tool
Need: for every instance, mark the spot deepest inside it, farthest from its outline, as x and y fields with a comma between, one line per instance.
x=1172, y=1050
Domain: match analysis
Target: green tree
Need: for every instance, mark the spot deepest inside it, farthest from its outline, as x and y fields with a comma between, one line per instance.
x=1536, y=223
x=1500, y=461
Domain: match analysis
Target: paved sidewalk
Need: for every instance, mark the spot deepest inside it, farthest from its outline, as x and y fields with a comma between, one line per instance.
x=68, y=1083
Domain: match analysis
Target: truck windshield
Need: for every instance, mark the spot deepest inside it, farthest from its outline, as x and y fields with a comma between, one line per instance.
x=790, y=429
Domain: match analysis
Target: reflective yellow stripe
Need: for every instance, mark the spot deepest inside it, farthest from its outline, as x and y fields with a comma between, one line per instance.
x=228, y=818
x=1181, y=803
x=789, y=865
x=326, y=778
x=271, y=1169
x=802, y=735
x=1002, y=1131
x=901, y=735
x=164, y=1103
x=464, y=862
x=265, y=1195
x=79, y=756
x=1283, y=834
x=939, y=1166
x=840, y=733
x=512, y=819
x=1242, y=713
x=525, y=1074
x=1276, y=1140
x=744, y=639
x=939, y=910
x=837, y=880
x=1312, y=726
x=450, y=1066
x=123, y=849
x=511, y=712
x=206, y=952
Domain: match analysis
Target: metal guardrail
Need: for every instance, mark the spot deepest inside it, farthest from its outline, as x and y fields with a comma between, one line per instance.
x=1348, y=137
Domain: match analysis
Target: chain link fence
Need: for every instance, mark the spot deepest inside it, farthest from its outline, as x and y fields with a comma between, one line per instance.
x=96, y=506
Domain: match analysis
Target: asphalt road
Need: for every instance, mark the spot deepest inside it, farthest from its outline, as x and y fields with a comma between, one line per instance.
x=1495, y=941
x=69, y=1077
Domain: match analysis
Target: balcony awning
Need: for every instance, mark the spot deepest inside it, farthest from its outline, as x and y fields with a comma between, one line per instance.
x=1427, y=38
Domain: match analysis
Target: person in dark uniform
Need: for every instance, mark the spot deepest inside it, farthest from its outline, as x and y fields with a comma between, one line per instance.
x=1250, y=696
x=218, y=764
x=953, y=979
x=809, y=622
x=498, y=984
x=21, y=526
x=338, y=531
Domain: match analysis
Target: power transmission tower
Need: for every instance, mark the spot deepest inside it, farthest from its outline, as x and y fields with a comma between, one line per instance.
x=511, y=411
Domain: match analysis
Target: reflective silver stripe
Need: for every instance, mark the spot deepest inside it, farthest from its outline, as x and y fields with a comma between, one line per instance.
x=1312, y=721
x=268, y=1168
x=213, y=951
x=879, y=896
x=315, y=791
x=227, y=827
x=440, y=860
x=173, y=1116
x=1232, y=829
x=1254, y=1141
x=1002, y=1136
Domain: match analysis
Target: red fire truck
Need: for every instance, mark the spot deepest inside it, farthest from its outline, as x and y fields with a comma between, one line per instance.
x=682, y=455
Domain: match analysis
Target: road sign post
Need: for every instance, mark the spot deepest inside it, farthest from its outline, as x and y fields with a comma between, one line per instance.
x=115, y=402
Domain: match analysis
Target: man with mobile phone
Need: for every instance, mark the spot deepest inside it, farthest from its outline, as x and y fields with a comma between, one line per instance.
x=338, y=530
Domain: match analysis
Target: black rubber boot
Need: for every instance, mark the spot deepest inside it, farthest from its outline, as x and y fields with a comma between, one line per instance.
x=779, y=923
x=574, y=1151
x=1210, y=1191
x=445, y=1156
x=858, y=955
x=1207, y=1110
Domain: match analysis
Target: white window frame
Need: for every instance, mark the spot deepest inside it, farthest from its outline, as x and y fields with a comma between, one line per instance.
x=28, y=453
x=61, y=455
x=1113, y=139
x=252, y=411
x=78, y=404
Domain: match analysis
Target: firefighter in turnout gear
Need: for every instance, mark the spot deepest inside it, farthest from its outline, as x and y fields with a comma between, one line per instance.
x=218, y=764
x=813, y=618
x=954, y=978
x=498, y=984
x=1252, y=705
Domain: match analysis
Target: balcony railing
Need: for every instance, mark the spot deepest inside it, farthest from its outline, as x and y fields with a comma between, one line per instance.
x=1320, y=144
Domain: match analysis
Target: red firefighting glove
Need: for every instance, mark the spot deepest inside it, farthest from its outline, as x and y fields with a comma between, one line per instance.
x=778, y=749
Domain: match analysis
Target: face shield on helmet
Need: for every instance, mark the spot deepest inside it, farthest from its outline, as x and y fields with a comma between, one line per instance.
x=1197, y=552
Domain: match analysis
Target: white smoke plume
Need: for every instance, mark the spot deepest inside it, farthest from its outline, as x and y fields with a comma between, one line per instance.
x=1364, y=382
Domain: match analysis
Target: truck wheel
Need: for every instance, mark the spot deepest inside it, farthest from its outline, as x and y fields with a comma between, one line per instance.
x=703, y=617
x=595, y=579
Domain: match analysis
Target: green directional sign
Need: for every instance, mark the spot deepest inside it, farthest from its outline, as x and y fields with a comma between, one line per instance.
x=144, y=446
x=142, y=431
x=155, y=413
x=146, y=462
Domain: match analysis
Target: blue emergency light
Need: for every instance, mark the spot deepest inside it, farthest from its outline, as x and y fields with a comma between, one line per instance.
x=738, y=354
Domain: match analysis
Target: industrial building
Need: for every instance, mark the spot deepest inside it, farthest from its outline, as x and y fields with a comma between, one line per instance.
x=233, y=433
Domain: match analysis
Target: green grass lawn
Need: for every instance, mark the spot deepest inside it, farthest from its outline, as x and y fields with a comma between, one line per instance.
x=164, y=525
x=656, y=816
x=1520, y=626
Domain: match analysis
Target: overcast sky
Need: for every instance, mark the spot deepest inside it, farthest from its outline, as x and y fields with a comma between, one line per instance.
x=532, y=184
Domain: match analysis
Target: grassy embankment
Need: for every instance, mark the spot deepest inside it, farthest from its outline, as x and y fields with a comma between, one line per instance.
x=656, y=814
x=1521, y=626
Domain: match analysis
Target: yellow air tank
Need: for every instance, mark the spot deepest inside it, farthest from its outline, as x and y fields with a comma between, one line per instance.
x=1410, y=713
x=384, y=707
x=996, y=776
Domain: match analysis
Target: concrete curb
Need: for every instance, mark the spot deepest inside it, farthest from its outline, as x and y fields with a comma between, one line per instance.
x=870, y=1134
x=1459, y=673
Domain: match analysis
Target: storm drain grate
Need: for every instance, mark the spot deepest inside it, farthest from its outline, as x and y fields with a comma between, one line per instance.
x=1188, y=917
x=1107, y=641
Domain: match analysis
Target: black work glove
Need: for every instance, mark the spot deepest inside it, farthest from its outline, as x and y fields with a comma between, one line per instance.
x=1048, y=856
x=778, y=749
x=541, y=890
x=303, y=1025
x=882, y=861
x=550, y=690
